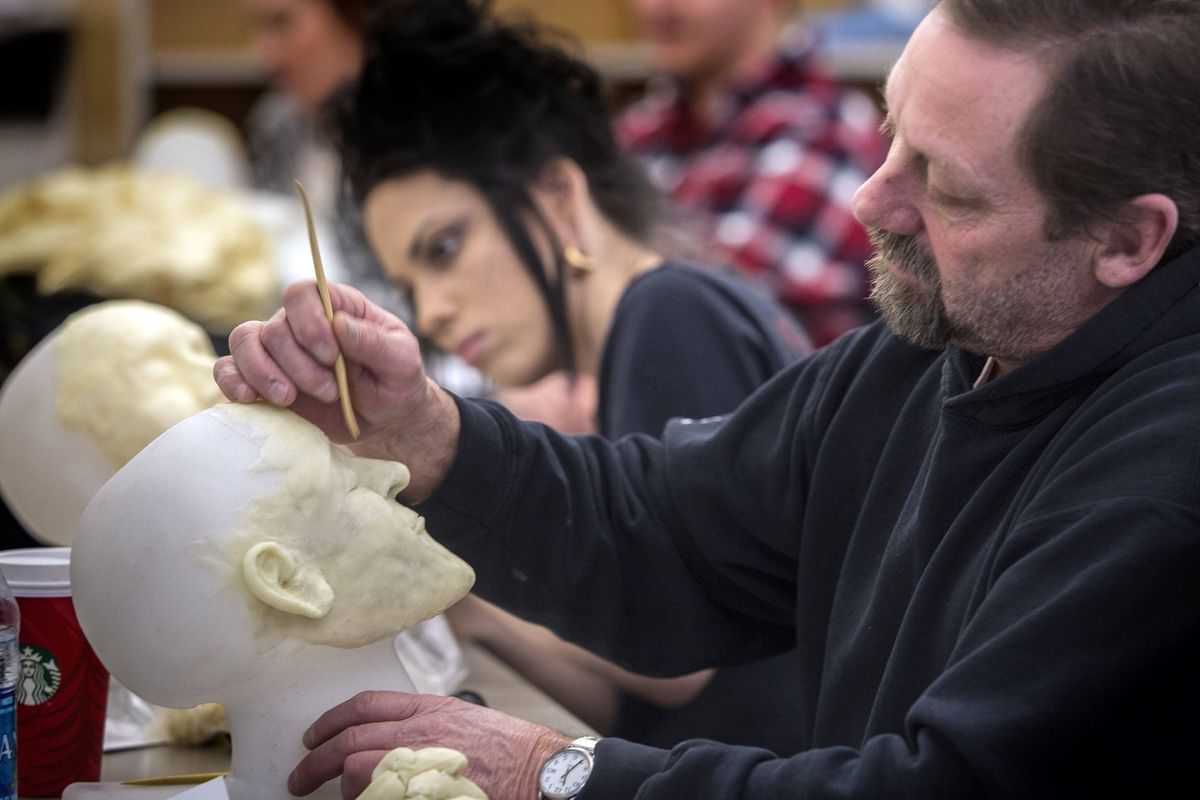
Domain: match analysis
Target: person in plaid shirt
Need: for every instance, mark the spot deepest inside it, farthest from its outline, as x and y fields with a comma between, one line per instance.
x=761, y=151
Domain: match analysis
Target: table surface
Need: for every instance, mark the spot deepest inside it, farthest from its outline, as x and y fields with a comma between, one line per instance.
x=495, y=682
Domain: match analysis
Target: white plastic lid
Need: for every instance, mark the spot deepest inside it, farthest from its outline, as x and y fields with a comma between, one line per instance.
x=37, y=571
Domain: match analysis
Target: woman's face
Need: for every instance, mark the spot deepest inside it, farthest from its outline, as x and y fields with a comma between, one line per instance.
x=306, y=48
x=438, y=239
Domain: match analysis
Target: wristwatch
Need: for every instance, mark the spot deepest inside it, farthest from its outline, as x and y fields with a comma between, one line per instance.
x=564, y=773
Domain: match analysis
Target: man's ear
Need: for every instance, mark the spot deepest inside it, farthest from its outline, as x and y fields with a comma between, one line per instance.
x=561, y=194
x=275, y=575
x=1134, y=244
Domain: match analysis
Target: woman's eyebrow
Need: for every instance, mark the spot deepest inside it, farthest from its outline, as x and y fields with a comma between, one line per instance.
x=424, y=229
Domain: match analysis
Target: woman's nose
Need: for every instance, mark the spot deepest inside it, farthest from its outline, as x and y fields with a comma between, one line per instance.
x=434, y=310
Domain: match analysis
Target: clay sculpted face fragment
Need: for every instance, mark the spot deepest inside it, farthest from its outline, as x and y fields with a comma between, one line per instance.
x=127, y=371
x=331, y=558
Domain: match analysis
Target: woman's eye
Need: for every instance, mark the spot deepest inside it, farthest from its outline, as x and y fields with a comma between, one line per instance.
x=444, y=247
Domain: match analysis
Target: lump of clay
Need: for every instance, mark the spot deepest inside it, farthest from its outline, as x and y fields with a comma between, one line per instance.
x=431, y=773
x=120, y=233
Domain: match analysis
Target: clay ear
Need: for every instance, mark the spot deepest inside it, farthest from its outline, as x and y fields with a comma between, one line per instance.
x=275, y=575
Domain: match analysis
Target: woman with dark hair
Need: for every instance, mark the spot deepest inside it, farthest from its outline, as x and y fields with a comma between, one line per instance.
x=495, y=195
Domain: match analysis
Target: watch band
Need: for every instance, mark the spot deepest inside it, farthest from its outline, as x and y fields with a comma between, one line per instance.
x=586, y=744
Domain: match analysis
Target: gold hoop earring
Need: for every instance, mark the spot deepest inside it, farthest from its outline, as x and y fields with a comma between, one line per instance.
x=578, y=260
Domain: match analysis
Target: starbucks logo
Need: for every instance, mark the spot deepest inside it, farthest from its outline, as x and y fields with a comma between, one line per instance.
x=40, y=676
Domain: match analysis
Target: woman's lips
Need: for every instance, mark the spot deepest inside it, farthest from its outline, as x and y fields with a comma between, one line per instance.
x=470, y=349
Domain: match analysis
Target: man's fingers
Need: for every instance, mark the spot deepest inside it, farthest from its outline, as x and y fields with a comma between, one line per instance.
x=307, y=321
x=357, y=769
x=231, y=383
x=308, y=375
x=256, y=368
x=363, y=708
x=373, y=341
x=288, y=360
x=326, y=761
x=354, y=303
x=380, y=348
x=310, y=325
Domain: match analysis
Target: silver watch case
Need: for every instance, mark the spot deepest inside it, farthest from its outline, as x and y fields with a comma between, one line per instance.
x=585, y=745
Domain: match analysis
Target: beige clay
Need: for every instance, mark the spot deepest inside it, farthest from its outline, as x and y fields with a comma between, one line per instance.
x=118, y=232
x=431, y=773
x=358, y=548
x=128, y=370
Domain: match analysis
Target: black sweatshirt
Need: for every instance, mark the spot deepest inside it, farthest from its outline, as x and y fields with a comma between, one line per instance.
x=996, y=590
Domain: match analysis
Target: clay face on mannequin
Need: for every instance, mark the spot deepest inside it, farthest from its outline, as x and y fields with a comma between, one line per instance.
x=101, y=387
x=236, y=559
x=127, y=371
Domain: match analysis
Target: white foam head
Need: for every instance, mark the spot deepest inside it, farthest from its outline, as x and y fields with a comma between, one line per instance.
x=242, y=559
x=48, y=473
x=97, y=390
x=240, y=540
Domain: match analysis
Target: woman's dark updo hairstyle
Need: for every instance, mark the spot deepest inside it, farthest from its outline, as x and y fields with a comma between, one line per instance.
x=447, y=86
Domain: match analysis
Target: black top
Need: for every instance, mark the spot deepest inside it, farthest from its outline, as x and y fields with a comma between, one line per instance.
x=688, y=341
x=995, y=591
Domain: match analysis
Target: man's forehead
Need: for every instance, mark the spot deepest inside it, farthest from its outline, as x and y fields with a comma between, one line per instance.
x=959, y=97
x=937, y=142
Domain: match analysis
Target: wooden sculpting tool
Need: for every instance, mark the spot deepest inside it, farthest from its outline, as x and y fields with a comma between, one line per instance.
x=339, y=366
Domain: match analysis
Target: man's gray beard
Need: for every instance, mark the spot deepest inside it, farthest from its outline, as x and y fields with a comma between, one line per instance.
x=914, y=313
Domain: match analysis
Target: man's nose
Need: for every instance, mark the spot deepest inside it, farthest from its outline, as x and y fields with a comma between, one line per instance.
x=884, y=201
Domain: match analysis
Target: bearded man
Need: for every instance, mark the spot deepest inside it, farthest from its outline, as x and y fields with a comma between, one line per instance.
x=979, y=519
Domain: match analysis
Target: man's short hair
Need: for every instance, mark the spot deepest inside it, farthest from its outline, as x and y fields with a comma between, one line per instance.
x=1121, y=114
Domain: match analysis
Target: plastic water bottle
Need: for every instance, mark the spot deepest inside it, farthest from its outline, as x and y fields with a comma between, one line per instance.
x=10, y=665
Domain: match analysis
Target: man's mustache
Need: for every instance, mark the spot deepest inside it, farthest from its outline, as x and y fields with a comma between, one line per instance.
x=905, y=252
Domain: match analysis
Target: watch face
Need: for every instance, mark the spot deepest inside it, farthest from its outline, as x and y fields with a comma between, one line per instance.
x=564, y=774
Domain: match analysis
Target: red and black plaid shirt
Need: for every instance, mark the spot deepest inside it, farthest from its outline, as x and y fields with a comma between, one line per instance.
x=769, y=179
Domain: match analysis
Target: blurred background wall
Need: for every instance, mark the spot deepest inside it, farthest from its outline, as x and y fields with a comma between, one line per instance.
x=94, y=72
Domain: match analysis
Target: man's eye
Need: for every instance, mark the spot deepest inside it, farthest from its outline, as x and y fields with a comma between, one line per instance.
x=950, y=200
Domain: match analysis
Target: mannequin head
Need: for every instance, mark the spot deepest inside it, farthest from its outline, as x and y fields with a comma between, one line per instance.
x=97, y=390
x=241, y=547
x=127, y=371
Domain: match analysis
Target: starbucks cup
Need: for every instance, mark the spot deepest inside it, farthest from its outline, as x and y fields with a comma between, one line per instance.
x=61, y=688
